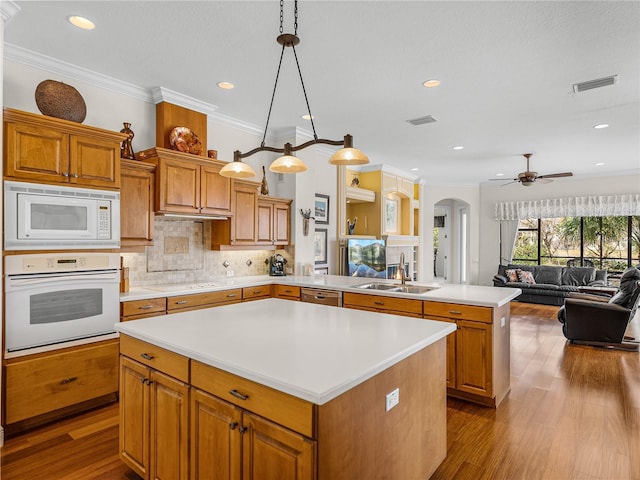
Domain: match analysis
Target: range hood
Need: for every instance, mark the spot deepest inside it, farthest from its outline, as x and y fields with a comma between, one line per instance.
x=188, y=216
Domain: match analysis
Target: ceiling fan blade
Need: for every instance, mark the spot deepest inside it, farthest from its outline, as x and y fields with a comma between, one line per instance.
x=556, y=175
x=543, y=180
x=504, y=179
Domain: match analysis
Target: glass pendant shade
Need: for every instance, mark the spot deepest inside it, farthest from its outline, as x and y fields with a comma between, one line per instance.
x=348, y=156
x=288, y=164
x=237, y=169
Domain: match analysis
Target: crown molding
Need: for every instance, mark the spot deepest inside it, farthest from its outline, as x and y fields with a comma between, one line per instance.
x=228, y=121
x=58, y=67
x=8, y=10
x=162, y=94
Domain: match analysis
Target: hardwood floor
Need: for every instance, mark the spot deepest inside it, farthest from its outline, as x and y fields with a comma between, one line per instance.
x=573, y=413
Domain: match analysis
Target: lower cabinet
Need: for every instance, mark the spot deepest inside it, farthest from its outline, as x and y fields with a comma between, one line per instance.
x=154, y=411
x=228, y=442
x=383, y=304
x=287, y=292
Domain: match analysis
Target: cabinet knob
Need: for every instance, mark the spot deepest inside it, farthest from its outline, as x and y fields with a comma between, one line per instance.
x=145, y=307
x=239, y=395
x=146, y=356
x=182, y=302
x=75, y=175
x=378, y=303
x=65, y=174
x=146, y=381
x=231, y=295
x=243, y=429
x=233, y=425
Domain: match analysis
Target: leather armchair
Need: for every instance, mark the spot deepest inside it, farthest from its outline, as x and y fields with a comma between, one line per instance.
x=590, y=321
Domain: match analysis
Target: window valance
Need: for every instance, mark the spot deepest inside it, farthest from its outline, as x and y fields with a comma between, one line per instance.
x=597, y=206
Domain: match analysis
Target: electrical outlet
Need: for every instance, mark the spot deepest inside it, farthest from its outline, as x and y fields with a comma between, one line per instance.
x=229, y=273
x=392, y=399
x=503, y=321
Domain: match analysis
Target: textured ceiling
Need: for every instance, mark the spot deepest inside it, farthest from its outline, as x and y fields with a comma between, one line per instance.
x=506, y=68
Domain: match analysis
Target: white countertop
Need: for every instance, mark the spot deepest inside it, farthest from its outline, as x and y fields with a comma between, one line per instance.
x=465, y=294
x=314, y=352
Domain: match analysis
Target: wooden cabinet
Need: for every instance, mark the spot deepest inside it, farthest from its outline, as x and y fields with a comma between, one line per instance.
x=50, y=150
x=137, y=195
x=136, y=309
x=288, y=292
x=477, y=352
x=228, y=439
x=203, y=300
x=41, y=384
x=256, y=293
x=274, y=220
x=154, y=410
x=188, y=184
x=379, y=303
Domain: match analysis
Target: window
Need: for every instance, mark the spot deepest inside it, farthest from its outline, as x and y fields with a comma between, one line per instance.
x=611, y=243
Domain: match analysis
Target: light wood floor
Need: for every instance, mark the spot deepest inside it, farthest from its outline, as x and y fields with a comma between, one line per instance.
x=573, y=413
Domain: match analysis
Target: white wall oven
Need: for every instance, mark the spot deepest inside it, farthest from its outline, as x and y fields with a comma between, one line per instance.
x=46, y=217
x=55, y=298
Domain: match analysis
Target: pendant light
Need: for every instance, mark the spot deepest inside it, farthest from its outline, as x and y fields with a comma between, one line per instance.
x=288, y=163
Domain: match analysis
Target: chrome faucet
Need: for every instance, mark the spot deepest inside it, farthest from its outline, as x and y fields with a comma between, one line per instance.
x=403, y=275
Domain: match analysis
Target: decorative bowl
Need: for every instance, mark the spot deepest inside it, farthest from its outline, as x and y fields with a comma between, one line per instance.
x=184, y=140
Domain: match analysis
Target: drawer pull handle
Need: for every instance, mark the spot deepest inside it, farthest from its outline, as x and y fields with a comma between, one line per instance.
x=379, y=303
x=320, y=297
x=239, y=395
x=455, y=312
x=288, y=291
x=64, y=381
x=145, y=307
x=233, y=425
x=182, y=302
x=231, y=295
x=146, y=356
x=256, y=292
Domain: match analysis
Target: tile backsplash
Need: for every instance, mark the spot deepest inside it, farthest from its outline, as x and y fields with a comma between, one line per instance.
x=181, y=254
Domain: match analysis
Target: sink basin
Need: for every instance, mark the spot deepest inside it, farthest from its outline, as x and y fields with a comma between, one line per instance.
x=391, y=287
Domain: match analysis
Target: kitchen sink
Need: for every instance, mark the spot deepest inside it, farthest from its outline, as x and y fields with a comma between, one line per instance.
x=391, y=287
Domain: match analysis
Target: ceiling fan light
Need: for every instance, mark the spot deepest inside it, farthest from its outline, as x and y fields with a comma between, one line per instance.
x=287, y=164
x=237, y=169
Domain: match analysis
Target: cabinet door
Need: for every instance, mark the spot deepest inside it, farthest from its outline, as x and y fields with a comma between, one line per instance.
x=134, y=416
x=216, y=442
x=215, y=196
x=473, y=356
x=137, y=195
x=94, y=162
x=36, y=153
x=178, y=187
x=265, y=223
x=245, y=222
x=281, y=224
x=169, y=431
x=270, y=452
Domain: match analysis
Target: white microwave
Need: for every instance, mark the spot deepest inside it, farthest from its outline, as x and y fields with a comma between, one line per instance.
x=43, y=217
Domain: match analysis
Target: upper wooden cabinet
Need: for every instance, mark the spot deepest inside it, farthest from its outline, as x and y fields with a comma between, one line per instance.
x=189, y=184
x=50, y=150
x=137, y=194
x=256, y=221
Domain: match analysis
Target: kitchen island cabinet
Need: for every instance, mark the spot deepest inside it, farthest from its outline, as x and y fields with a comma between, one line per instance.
x=280, y=384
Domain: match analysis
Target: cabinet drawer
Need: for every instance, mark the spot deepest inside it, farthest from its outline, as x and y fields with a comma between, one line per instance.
x=454, y=310
x=142, y=307
x=286, y=291
x=395, y=305
x=52, y=381
x=158, y=358
x=203, y=299
x=253, y=293
x=282, y=408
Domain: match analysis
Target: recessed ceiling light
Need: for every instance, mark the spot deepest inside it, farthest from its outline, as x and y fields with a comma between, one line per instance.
x=431, y=83
x=601, y=125
x=81, y=22
x=306, y=116
x=499, y=174
x=226, y=85
x=415, y=169
x=458, y=147
x=599, y=164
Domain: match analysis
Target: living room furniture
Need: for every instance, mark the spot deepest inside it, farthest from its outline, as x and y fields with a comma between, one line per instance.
x=588, y=320
x=548, y=284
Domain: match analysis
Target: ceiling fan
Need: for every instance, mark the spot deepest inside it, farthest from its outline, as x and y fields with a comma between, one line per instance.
x=528, y=178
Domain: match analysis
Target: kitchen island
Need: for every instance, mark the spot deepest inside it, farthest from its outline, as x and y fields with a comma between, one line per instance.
x=275, y=389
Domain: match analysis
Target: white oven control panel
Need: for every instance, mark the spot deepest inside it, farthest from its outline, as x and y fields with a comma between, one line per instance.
x=43, y=263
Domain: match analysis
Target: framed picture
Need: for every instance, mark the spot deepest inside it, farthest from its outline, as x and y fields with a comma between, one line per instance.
x=320, y=246
x=390, y=215
x=321, y=270
x=321, y=213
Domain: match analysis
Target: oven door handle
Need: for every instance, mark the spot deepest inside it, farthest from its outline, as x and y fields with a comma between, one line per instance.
x=20, y=281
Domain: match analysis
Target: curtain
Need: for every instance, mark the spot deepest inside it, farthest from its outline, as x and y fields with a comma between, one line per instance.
x=508, y=233
x=599, y=206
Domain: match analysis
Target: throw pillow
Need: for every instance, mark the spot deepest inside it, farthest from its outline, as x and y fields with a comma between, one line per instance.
x=512, y=274
x=525, y=277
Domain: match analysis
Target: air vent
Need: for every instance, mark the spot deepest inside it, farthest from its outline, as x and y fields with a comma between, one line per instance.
x=423, y=120
x=591, y=84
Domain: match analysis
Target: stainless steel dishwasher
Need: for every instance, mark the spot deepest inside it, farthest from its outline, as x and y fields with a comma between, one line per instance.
x=323, y=297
